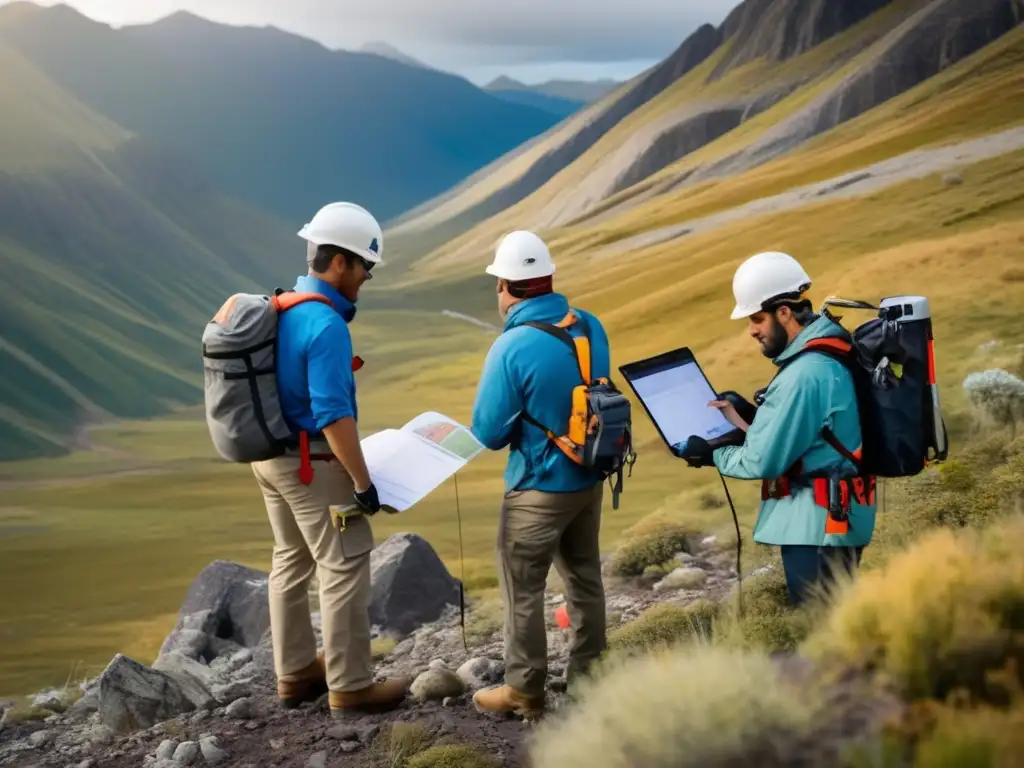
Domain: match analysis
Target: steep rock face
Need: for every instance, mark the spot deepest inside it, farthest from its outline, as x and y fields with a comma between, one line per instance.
x=932, y=39
x=782, y=29
x=658, y=144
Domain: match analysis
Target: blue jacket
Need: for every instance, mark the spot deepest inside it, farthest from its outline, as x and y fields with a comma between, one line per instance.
x=314, y=360
x=529, y=369
x=810, y=393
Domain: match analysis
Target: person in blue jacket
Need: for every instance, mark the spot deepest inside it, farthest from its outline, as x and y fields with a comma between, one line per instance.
x=552, y=506
x=785, y=446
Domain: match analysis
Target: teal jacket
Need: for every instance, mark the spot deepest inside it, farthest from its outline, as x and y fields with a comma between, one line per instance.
x=528, y=369
x=812, y=392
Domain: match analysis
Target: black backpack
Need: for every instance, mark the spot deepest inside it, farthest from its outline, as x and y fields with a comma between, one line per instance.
x=892, y=361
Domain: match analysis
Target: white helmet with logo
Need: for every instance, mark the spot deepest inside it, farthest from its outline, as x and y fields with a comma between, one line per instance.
x=349, y=226
x=521, y=255
x=766, y=276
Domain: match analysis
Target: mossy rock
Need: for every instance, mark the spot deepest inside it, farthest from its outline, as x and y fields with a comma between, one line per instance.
x=453, y=756
x=652, y=545
x=664, y=625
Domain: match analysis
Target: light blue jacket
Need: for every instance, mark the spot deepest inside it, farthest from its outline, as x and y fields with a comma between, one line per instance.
x=527, y=368
x=810, y=393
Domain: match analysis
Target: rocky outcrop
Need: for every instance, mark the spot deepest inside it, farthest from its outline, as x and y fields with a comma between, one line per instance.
x=133, y=696
x=410, y=585
x=225, y=609
x=932, y=39
x=224, y=711
x=782, y=29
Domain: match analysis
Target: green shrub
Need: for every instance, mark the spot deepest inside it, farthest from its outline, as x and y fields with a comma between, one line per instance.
x=768, y=622
x=664, y=625
x=939, y=617
x=703, y=706
x=648, y=544
x=454, y=756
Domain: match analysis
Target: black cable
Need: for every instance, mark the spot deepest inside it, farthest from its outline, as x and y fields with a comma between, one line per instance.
x=739, y=543
x=462, y=568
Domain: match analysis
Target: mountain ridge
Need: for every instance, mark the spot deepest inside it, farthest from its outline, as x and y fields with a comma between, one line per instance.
x=702, y=114
x=240, y=100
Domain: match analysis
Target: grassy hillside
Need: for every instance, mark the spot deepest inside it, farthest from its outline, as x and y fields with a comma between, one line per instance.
x=277, y=120
x=114, y=253
x=957, y=244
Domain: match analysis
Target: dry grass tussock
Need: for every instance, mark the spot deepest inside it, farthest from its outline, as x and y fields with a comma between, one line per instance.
x=705, y=707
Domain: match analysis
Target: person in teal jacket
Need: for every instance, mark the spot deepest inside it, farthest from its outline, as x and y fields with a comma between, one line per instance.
x=784, y=445
x=551, y=511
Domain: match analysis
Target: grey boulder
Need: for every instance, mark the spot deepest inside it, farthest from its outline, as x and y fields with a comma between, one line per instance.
x=410, y=584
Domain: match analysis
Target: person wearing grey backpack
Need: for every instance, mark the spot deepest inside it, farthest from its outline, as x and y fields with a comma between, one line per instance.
x=281, y=396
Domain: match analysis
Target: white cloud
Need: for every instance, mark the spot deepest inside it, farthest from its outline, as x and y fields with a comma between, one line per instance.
x=458, y=34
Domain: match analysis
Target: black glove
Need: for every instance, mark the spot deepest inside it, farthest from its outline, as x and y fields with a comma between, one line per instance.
x=695, y=450
x=744, y=408
x=368, y=499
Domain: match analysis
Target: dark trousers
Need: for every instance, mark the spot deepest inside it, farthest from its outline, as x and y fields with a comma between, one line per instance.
x=810, y=569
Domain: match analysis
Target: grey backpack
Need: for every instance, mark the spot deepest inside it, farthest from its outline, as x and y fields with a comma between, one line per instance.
x=243, y=411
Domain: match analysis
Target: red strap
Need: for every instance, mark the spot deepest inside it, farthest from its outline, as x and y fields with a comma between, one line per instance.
x=836, y=345
x=357, y=363
x=305, y=464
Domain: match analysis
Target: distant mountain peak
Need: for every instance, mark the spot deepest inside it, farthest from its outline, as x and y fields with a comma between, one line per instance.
x=505, y=83
x=388, y=51
x=583, y=91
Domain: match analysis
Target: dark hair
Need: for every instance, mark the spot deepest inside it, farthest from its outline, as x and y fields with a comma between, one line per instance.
x=325, y=255
x=802, y=309
x=528, y=289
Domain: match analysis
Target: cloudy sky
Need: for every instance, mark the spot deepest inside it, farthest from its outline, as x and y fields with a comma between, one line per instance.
x=532, y=40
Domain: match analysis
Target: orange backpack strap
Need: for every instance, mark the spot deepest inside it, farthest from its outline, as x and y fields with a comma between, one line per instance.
x=286, y=300
x=579, y=345
x=570, y=444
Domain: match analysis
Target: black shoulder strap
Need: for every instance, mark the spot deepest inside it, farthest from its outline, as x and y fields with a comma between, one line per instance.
x=559, y=333
x=827, y=434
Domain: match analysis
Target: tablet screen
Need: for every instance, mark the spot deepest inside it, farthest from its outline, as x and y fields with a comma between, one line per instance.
x=676, y=395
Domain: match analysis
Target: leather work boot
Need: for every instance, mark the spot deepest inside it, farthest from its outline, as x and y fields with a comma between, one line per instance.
x=376, y=697
x=504, y=699
x=307, y=684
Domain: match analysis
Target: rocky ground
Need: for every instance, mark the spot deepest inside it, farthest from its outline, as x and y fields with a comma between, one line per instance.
x=209, y=698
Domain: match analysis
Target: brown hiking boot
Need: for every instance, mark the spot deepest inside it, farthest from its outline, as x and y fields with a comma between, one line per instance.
x=374, y=697
x=505, y=699
x=307, y=684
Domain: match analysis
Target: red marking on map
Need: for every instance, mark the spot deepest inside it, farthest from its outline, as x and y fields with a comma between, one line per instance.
x=437, y=433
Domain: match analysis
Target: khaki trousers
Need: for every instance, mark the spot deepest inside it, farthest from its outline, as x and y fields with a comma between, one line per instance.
x=538, y=529
x=306, y=540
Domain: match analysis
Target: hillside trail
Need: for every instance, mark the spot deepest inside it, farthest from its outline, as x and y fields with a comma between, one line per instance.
x=247, y=728
x=915, y=164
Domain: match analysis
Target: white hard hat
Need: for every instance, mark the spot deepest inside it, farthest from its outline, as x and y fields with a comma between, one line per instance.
x=766, y=276
x=521, y=255
x=348, y=226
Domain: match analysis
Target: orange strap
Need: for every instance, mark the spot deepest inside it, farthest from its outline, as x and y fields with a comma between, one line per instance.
x=290, y=299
